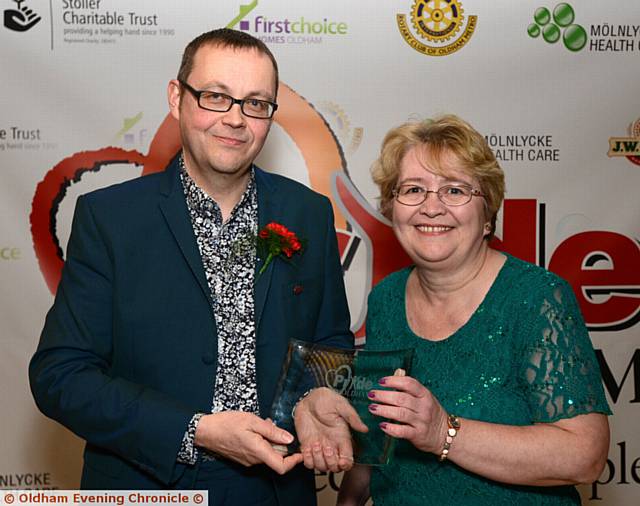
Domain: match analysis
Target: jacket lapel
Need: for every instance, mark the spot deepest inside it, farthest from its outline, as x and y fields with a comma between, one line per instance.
x=269, y=210
x=176, y=214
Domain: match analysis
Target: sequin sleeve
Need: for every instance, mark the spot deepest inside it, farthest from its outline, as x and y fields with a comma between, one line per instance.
x=560, y=371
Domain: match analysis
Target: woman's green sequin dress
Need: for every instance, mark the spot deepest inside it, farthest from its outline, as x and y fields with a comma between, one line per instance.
x=523, y=357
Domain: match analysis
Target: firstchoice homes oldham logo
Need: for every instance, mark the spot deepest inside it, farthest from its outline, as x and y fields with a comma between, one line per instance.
x=294, y=30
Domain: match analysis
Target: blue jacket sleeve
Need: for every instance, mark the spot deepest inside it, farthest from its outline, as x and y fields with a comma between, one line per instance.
x=71, y=373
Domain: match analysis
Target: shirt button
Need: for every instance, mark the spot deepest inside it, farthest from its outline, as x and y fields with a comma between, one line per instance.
x=208, y=358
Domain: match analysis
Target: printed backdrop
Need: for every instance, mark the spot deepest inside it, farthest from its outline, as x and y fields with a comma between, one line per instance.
x=553, y=86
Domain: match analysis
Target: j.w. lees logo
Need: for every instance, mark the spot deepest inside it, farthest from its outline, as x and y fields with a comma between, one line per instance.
x=629, y=146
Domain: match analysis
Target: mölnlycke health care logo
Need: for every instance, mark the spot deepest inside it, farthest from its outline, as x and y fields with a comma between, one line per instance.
x=558, y=23
x=441, y=24
x=620, y=35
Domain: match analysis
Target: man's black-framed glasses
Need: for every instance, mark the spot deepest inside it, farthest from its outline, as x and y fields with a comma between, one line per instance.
x=450, y=194
x=221, y=102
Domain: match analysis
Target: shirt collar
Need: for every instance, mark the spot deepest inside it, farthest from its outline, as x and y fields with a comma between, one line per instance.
x=199, y=201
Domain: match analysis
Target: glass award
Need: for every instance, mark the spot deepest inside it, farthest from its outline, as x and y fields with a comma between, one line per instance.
x=351, y=373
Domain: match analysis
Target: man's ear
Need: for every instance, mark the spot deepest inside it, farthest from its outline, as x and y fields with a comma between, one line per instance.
x=173, y=96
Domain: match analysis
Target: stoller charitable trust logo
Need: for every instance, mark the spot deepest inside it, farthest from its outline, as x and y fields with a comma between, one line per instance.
x=298, y=30
x=442, y=25
x=574, y=36
x=21, y=19
x=628, y=147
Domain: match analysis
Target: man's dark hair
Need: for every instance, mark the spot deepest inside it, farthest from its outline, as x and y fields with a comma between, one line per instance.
x=223, y=37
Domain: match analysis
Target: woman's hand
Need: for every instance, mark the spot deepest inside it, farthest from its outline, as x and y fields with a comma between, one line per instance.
x=520, y=455
x=412, y=411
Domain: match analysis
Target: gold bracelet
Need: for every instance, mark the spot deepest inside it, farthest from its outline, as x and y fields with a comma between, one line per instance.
x=452, y=431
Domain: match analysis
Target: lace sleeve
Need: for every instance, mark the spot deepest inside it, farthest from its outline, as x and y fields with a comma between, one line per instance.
x=561, y=375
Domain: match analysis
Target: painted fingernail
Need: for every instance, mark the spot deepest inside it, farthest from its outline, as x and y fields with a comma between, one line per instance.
x=373, y=407
x=371, y=395
x=382, y=381
x=383, y=425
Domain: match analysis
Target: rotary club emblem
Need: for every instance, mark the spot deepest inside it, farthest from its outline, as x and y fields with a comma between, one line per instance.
x=437, y=20
x=440, y=23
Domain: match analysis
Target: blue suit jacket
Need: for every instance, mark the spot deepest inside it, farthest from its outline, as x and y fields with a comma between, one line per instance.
x=128, y=351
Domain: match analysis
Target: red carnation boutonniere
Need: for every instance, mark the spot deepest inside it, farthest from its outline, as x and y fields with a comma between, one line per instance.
x=275, y=240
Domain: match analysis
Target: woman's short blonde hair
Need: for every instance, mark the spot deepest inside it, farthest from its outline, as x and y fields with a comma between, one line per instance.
x=443, y=135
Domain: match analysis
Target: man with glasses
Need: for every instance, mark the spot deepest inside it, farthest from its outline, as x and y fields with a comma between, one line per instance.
x=168, y=333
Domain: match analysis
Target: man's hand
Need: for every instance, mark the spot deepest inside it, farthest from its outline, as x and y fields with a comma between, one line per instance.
x=322, y=422
x=247, y=439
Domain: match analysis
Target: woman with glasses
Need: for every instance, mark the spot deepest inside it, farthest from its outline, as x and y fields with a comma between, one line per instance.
x=505, y=403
